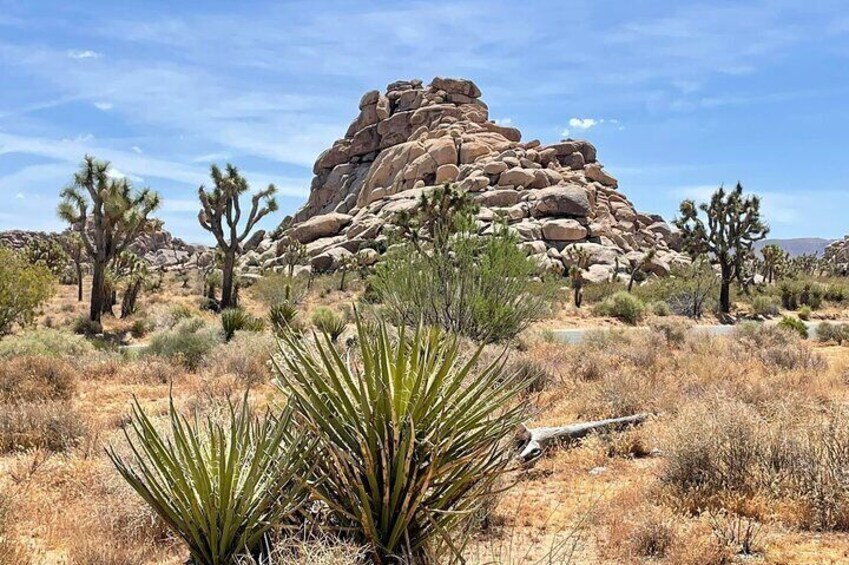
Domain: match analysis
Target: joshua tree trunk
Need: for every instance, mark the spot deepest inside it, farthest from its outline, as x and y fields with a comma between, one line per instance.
x=98, y=290
x=725, y=289
x=227, y=298
x=79, y=282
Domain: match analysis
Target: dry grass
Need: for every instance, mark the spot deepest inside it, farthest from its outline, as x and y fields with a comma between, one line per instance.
x=747, y=431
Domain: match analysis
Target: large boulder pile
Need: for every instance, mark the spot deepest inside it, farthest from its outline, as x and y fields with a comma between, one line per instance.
x=836, y=255
x=413, y=137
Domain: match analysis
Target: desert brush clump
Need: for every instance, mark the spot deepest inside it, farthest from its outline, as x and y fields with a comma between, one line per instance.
x=410, y=440
x=36, y=378
x=623, y=306
x=188, y=342
x=219, y=486
x=45, y=342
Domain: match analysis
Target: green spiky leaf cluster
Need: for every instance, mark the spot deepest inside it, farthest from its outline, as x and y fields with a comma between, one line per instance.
x=219, y=487
x=409, y=436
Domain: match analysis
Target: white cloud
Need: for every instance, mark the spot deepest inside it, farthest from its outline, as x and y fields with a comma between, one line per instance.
x=564, y=133
x=584, y=123
x=137, y=150
x=20, y=196
x=104, y=106
x=503, y=121
x=87, y=54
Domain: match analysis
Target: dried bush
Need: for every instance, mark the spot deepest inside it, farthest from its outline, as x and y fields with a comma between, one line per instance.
x=673, y=330
x=28, y=379
x=47, y=425
x=247, y=357
x=836, y=333
x=777, y=347
x=275, y=288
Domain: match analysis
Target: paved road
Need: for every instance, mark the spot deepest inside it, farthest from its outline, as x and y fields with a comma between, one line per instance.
x=576, y=335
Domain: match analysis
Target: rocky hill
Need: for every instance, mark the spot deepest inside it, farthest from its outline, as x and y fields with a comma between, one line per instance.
x=160, y=248
x=412, y=137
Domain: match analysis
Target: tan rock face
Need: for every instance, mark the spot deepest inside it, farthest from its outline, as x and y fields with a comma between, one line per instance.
x=412, y=137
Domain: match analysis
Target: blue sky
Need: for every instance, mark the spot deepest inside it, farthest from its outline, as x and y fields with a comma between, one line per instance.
x=677, y=96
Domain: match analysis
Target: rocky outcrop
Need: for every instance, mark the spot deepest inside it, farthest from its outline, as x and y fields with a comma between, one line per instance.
x=836, y=255
x=159, y=248
x=411, y=137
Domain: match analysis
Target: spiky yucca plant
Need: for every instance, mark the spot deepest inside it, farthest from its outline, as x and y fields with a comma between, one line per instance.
x=219, y=487
x=236, y=319
x=410, y=438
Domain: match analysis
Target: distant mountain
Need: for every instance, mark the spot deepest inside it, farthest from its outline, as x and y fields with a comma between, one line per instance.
x=798, y=246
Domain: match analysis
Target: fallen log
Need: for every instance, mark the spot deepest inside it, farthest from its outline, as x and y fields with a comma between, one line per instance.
x=532, y=441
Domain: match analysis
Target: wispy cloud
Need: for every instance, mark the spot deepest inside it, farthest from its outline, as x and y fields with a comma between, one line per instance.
x=87, y=54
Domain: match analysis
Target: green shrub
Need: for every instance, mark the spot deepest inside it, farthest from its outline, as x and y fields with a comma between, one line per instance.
x=187, y=342
x=764, y=306
x=140, y=328
x=660, y=308
x=235, y=320
x=796, y=293
x=623, y=306
x=220, y=487
x=45, y=342
x=479, y=287
x=329, y=322
x=597, y=292
x=805, y=313
x=24, y=288
x=794, y=324
x=30, y=379
x=410, y=439
x=83, y=325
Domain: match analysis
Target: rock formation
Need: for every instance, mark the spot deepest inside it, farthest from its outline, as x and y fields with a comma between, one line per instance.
x=159, y=248
x=412, y=137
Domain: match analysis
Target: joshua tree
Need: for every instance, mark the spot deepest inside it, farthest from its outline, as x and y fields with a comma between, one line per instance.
x=637, y=267
x=74, y=247
x=47, y=253
x=221, y=213
x=348, y=264
x=733, y=225
x=577, y=259
x=774, y=259
x=294, y=252
x=133, y=272
x=109, y=215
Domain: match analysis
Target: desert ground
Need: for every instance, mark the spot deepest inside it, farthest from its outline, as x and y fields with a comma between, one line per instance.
x=743, y=458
